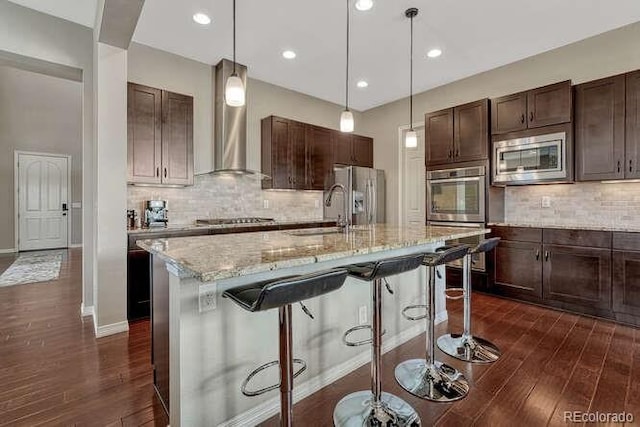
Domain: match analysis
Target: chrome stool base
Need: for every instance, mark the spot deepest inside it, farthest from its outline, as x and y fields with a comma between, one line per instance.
x=356, y=410
x=469, y=349
x=438, y=382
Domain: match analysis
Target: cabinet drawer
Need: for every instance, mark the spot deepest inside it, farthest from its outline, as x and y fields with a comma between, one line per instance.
x=587, y=238
x=520, y=234
x=626, y=241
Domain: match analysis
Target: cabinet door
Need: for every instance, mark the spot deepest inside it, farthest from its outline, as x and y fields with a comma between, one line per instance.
x=343, y=148
x=471, y=131
x=280, y=166
x=144, y=130
x=509, y=113
x=518, y=269
x=577, y=275
x=177, y=139
x=297, y=156
x=138, y=284
x=599, y=129
x=626, y=282
x=632, y=169
x=319, y=158
x=549, y=105
x=362, y=151
x=439, y=137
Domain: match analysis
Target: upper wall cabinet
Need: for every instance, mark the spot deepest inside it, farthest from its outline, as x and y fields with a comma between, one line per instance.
x=544, y=106
x=300, y=156
x=632, y=140
x=599, y=129
x=457, y=134
x=160, y=137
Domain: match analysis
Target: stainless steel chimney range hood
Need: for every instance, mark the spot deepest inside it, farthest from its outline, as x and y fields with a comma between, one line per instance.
x=230, y=126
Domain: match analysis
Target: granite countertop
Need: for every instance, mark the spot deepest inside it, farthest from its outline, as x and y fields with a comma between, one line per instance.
x=188, y=227
x=568, y=226
x=216, y=257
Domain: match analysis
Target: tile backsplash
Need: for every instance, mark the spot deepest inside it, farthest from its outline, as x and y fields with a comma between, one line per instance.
x=215, y=196
x=587, y=204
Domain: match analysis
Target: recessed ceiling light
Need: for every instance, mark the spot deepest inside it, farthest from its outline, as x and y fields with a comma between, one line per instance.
x=364, y=4
x=288, y=54
x=202, y=18
x=434, y=53
x=362, y=84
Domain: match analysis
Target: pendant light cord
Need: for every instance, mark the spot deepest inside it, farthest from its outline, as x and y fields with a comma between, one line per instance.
x=347, y=80
x=234, y=37
x=411, y=79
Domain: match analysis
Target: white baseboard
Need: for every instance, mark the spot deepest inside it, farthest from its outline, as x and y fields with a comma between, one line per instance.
x=8, y=251
x=86, y=310
x=74, y=245
x=114, y=328
x=268, y=409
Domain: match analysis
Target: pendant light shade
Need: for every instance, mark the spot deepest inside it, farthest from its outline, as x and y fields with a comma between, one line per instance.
x=411, y=137
x=346, y=121
x=234, y=91
x=234, y=94
x=346, y=118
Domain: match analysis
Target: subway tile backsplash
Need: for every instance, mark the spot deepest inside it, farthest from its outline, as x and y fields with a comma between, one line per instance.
x=586, y=204
x=215, y=196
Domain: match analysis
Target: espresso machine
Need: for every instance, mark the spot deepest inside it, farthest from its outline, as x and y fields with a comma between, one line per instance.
x=156, y=213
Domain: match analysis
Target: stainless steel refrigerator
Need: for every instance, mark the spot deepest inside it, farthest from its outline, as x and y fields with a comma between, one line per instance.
x=365, y=191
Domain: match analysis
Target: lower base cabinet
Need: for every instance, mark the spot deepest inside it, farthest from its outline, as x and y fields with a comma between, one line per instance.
x=518, y=269
x=138, y=289
x=626, y=282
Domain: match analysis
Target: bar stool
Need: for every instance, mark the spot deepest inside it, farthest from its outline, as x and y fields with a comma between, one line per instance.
x=281, y=294
x=465, y=346
x=429, y=378
x=375, y=407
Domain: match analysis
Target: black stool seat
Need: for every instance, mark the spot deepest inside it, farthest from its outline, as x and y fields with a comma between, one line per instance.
x=485, y=246
x=270, y=294
x=445, y=254
x=370, y=271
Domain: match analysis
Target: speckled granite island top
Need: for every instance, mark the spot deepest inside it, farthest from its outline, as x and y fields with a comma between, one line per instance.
x=218, y=257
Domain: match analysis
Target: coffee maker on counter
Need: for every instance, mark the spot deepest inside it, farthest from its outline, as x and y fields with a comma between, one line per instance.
x=156, y=213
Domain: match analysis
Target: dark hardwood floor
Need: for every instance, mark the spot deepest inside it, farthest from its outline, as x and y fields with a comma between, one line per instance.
x=54, y=372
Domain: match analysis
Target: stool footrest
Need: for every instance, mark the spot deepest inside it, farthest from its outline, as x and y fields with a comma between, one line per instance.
x=454, y=293
x=413, y=307
x=261, y=368
x=361, y=342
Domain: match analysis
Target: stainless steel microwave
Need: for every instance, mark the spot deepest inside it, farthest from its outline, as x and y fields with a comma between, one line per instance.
x=529, y=160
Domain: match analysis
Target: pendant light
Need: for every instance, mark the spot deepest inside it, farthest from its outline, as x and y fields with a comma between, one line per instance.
x=234, y=93
x=346, y=118
x=411, y=137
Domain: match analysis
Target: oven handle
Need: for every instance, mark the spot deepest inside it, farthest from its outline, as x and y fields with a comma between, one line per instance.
x=471, y=178
x=456, y=224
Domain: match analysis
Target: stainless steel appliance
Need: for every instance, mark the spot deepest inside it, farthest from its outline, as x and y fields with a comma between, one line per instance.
x=456, y=194
x=365, y=191
x=225, y=221
x=156, y=213
x=541, y=158
x=478, y=261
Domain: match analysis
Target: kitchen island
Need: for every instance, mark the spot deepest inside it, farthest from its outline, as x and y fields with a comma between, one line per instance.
x=213, y=344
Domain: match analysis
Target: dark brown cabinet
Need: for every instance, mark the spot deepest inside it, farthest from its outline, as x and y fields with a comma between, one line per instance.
x=626, y=282
x=600, y=129
x=518, y=269
x=632, y=140
x=301, y=156
x=457, y=134
x=160, y=136
x=138, y=280
x=544, y=106
x=579, y=276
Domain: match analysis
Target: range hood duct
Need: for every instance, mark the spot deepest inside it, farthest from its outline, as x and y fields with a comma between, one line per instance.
x=230, y=125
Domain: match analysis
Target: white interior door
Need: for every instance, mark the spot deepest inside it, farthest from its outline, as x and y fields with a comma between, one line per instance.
x=42, y=202
x=413, y=181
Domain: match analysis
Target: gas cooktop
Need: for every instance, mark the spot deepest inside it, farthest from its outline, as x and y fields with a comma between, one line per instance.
x=225, y=221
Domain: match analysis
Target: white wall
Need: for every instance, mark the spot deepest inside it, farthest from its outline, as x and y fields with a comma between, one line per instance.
x=36, y=35
x=604, y=55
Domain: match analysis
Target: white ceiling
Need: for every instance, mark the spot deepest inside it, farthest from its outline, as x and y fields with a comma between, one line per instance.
x=475, y=36
x=81, y=12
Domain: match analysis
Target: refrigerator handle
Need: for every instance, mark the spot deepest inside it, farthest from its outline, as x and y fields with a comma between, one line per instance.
x=374, y=202
x=367, y=200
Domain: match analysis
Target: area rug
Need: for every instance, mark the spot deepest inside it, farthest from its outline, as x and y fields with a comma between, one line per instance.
x=33, y=267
